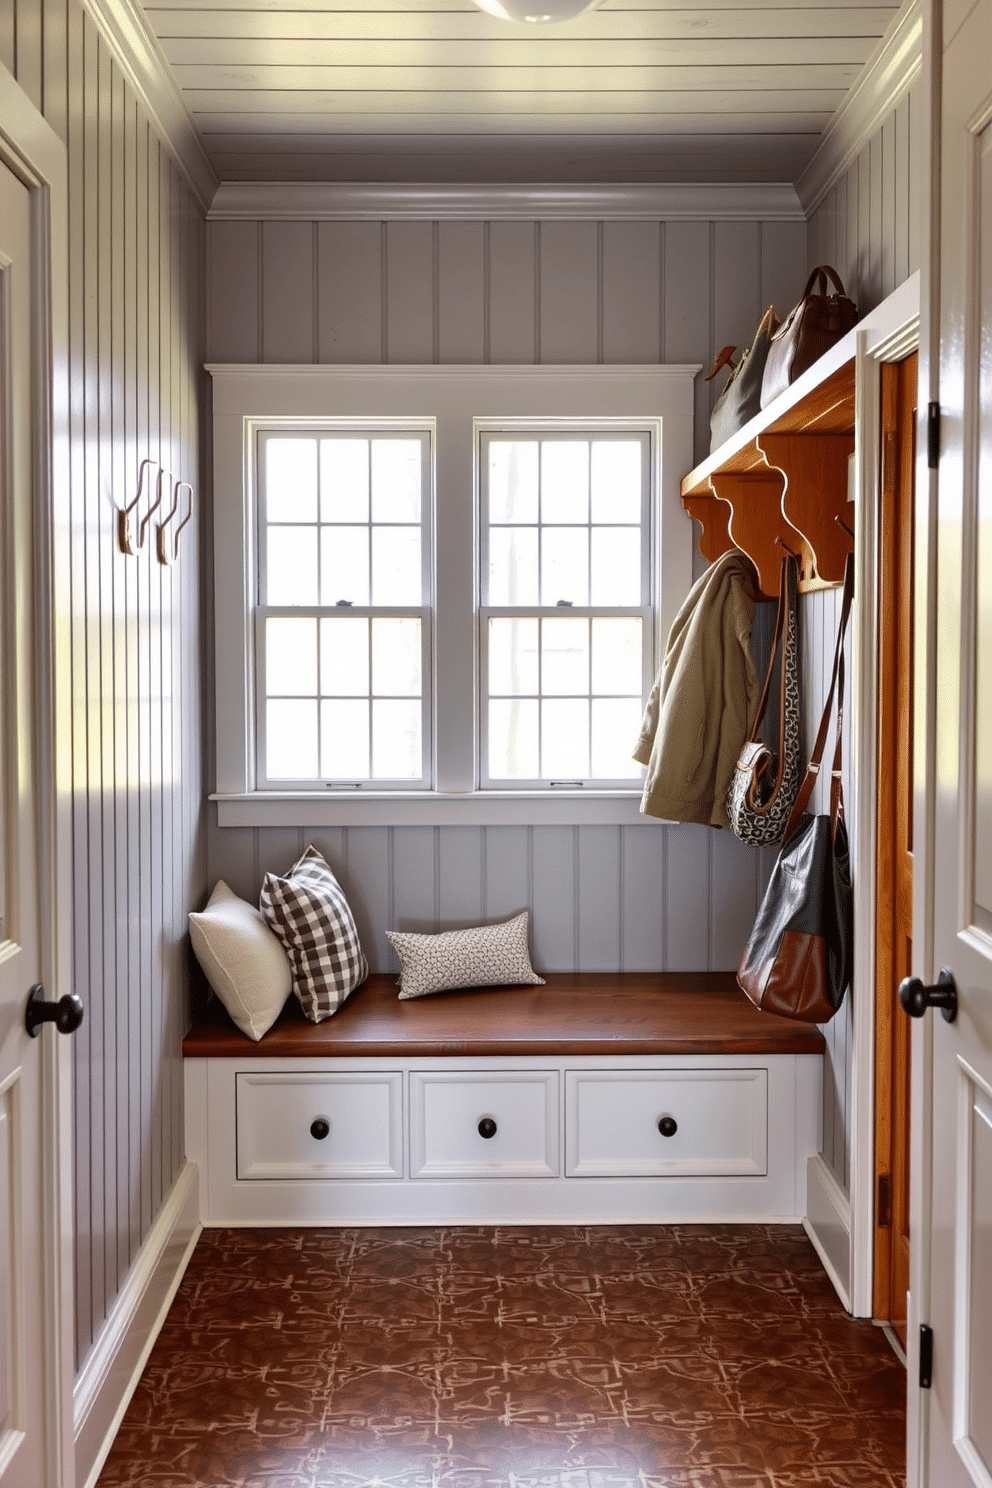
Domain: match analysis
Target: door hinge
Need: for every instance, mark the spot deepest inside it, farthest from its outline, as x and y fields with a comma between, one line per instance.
x=933, y=436
x=926, y=1356
x=883, y=1202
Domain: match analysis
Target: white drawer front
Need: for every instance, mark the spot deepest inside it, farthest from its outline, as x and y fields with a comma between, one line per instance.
x=363, y=1114
x=611, y=1123
x=445, y=1115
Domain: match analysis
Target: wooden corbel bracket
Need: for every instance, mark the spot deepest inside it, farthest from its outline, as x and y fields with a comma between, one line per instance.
x=713, y=517
x=814, y=498
x=756, y=522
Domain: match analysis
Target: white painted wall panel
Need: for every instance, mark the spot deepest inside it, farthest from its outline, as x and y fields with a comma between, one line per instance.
x=512, y=292
x=289, y=311
x=136, y=321
x=411, y=324
x=233, y=300
x=461, y=263
x=413, y=870
x=599, y=897
x=868, y=225
x=631, y=323
x=569, y=291
x=461, y=852
x=553, y=896
x=642, y=861
x=507, y=870
x=349, y=292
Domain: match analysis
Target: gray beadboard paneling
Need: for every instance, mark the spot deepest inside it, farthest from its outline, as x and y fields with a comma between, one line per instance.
x=136, y=313
x=289, y=310
x=678, y=898
x=664, y=897
x=868, y=225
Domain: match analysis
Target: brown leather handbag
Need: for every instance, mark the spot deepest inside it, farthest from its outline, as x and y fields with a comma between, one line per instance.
x=799, y=956
x=809, y=330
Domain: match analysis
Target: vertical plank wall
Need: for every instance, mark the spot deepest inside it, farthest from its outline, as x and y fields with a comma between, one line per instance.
x=868, y=227
x=136, y=302
x=675, y=897
x=868, y=224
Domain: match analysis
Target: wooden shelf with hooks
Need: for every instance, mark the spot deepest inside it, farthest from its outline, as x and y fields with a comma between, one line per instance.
x=782, y=480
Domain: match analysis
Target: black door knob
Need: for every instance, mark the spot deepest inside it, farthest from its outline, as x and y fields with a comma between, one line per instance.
x=66, y=1014
x=668, y=1126
x=916, y=998
x=320, y=1128
x=487, y=1127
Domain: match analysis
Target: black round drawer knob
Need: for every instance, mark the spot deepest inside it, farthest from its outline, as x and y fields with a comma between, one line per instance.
x=487, y=1127
x=320, y=1128
x=668, y=1126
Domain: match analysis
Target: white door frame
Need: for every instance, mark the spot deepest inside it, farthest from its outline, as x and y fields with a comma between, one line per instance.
x=35, y=154
x=888, y=334
x=924, y=749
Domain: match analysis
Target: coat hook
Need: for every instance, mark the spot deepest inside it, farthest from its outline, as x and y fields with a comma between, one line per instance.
x=168, y=551
x=131, y=542
x=163, y=481
x=842, y=524
x=791, y=551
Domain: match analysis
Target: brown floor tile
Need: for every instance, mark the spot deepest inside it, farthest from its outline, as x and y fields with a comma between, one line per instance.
x=673, y=1357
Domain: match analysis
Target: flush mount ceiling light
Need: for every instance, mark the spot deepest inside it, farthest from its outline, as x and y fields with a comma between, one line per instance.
x=537, y=12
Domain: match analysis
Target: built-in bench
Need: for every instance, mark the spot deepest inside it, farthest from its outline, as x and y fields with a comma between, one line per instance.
x=597, y=1097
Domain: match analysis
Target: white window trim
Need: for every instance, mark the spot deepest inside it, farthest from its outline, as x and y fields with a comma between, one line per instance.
x=453, y=398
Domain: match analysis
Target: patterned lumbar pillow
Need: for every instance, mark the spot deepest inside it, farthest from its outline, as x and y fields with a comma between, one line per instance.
x=486, y=956
x=310, y=915
x=242, y=960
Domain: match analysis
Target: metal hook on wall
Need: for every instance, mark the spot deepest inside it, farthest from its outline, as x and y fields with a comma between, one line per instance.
x=132, y=542
x=168, y=550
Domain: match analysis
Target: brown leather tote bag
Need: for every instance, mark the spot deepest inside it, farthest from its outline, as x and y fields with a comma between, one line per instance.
x=799, y=956
x=808, y=330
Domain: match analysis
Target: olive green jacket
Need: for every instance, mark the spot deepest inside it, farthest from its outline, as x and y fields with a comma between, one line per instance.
x=704, y=700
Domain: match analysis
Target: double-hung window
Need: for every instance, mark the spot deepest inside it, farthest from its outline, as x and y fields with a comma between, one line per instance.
x=343, y=619
x=566, y=634
x=441, y=593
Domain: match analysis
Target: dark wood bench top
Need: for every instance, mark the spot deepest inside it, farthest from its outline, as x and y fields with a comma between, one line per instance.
x=591, y=1013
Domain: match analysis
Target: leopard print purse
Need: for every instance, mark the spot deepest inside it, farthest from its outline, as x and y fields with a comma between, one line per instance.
x=765, y=782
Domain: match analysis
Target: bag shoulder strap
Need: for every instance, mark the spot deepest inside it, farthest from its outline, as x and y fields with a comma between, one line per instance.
x=781, y=618
x=836, y=686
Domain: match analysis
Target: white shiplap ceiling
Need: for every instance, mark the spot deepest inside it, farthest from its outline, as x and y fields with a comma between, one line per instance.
x=396, y=90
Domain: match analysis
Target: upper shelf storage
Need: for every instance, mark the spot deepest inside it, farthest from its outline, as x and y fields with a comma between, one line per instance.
x=781, y=482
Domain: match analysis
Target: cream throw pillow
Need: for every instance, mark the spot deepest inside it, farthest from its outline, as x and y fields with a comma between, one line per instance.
x=242, y=960
x=485, y=956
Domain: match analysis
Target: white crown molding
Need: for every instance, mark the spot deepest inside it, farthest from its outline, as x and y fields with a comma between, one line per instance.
x=324, y=201
x=124, y=27
x=887, y=76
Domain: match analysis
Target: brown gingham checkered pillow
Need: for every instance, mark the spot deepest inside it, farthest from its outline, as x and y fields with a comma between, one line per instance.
x=310, y=915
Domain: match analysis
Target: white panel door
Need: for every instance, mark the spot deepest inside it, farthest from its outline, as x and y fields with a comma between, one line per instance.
x=22, y=1377
x=960, y=1405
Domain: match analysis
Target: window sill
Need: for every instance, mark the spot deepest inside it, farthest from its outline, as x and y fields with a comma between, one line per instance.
x=432, y=809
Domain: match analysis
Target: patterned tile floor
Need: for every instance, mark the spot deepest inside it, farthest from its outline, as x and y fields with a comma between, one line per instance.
x=698, y=1356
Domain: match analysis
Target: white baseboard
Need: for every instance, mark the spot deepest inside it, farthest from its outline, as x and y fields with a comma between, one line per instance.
x=828, y=1225
x=113, y=1367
